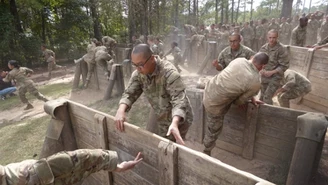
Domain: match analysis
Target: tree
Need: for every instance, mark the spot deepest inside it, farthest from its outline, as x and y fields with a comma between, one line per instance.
x=287, y=6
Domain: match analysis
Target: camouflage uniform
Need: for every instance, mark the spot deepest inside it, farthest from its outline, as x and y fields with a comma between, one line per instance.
x=103, y=59
x=59, y=169
x=165, y=92
x=109, y=43
x=49, y=57
x=224, y=40
x=226, y=56
x=284, y=34
x=274, y=26
x=260, y=36
x=323, y=41
x=236, y=84
x=176, y=52
x=248, y=35
x=154, y=49
x=298, y=37
x=160, y=47
x=24, y=84
x=212, y=35
x=324, y=30
x=278, y=60
x=295, y=84
x=312, y=32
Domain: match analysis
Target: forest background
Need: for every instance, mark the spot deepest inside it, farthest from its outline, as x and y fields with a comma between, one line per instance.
x=66, y=26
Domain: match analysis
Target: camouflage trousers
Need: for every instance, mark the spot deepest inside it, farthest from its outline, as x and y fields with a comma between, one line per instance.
x=248, y=42
x=268, y=89
x=284, y=97
x=61, y=168
x=32, y=90
x=176, y=63
x=51, y=67
x=214, y=128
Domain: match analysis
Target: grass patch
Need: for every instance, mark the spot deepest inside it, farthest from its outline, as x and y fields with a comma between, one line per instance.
x=22, y=140
x=53, y=91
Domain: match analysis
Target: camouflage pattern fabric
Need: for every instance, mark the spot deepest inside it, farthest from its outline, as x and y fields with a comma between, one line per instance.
x=296, y=85
x=284, y=34
x=160, y=47
x=323, y=30
x=273, y=26
x=260, y=36
x=102, y=57
x=237, y=83
x=278, y=60
x=226, y=56
x=312, y=32
x=176, y=52
x=323, y=41
x=59, y=169
x=248, y=35
x=165, y=92
x=298, y=37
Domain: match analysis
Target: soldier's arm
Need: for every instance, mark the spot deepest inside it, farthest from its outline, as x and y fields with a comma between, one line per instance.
x=283, y=60
x=290, y=82
x=221, y=64
x=293, y=39
x=248, y=95
x=132, y=92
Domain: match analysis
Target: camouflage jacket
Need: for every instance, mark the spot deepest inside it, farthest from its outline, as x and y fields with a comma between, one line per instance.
x=285, y=30
x=247, y=33
x=324, y=30
x=164, y=90
x=90, y=56
x=323, y=41
x=59, y=169
x=226, y=56
x=274, y=26
x=298, y=36
x=236, y=84
x=19, y=76
x=176, y=52
x=278, y=57
x=295, y=81
x=48, y=55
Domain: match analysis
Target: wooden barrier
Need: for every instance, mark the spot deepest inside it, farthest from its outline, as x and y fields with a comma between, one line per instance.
x=164, y=162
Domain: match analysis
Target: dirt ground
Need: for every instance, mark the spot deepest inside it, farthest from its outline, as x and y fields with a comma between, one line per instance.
x=87, y=97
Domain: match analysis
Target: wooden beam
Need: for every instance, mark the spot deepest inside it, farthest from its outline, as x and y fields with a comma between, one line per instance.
x=250, y=131
x=168, y=163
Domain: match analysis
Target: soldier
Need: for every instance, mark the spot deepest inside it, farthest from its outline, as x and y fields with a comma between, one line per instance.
x=295, y=22
x=176, y=52
x=64, y=167
x=324, y=29
x=165, y=91
x=190, y=30
x=299, y=33
x=312, y=31
x=23, y=83
x=110, y=44
x=160, y=47
x=285, y=30
x=103, y=58
x=152, y=45
x=294, y=86
x=248, y=34
x=273, y=25
x=6, y=88
x=273, y=72
x=237, y=84
x=235, y=50
x=260, y=34
x=202, y=30
x=135, y=41
x=49, y=57
x=224, y=38
x=212, y=34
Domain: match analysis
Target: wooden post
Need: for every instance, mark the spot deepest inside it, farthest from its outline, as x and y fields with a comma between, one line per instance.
x=77, y=75
x=310, y=130
x=168, y=163
x=116, y=77
x=84, y=70
x=308, y=61
x=60, y=135
x=250, y=131
x=211, y=53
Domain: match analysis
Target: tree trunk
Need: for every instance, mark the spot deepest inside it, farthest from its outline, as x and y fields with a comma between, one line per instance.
x=252, y=9
x=237, y=13
x=14, y=12
x=216, y=11
x=222, y=11
x=227, y=12
x=287, y=6
x=245, y=11
x=95, y=18
x=43, y=25
x=176, y=13
x=232, y=9
x=144, y=23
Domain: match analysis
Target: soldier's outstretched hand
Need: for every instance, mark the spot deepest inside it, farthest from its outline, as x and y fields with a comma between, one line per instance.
x=174, y=130
x=127, y=165
x=120, y=117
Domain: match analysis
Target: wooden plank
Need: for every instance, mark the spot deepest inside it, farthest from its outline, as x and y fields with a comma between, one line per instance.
x=102, y=138
x=319, y=90
x=146, y=171
x=249, y=132
x=167, y=162
x=320, y=66
x=197, y=129
x=318, y=80
x=278, y=155
x=316, y=99
x=315, y=106
x=229, y=147
x=275, y=143
x=276, y=112
x=130, y=178
x=230, y=136
x=276, y=133
x=279, y=123
x=210, y=170
x=83, y=111
x=319, y=73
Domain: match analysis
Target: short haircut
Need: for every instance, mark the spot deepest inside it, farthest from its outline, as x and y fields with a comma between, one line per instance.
x=142, y=49
x=235, y=34
x=44, y=45
x=14, y=63
x=175, y=44
x=261, y=58
x=274, y=31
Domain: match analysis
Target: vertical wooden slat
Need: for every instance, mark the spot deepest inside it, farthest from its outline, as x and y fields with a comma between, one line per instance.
x=168, y=163
x=250, y=131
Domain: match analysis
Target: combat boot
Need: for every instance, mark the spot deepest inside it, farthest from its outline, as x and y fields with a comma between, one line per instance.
x=29, y=106
x=207, y=152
